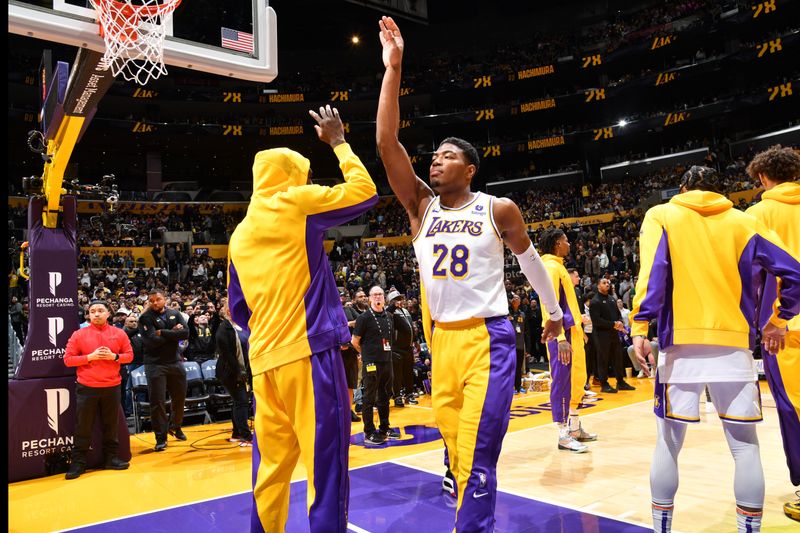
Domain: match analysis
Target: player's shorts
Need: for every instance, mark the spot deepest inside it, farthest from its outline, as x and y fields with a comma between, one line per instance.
x=737, y=402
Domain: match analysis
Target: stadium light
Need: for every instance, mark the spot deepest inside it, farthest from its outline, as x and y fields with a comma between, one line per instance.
x=622, y=123
x=355, y=39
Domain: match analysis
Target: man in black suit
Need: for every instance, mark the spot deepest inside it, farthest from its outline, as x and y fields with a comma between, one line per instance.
x=606, y=323
x=162, y=329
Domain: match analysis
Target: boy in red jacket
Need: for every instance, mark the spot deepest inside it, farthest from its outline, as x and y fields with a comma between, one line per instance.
x=97, y=351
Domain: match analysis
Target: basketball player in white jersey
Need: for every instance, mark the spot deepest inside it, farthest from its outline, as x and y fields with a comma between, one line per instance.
x=458, y=240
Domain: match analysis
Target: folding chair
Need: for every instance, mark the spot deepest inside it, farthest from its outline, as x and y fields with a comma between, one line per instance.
x=196, y=398
x=221, y=404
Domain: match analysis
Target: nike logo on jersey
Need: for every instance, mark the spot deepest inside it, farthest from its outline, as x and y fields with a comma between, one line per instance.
x=454, y=226
x=477, y=495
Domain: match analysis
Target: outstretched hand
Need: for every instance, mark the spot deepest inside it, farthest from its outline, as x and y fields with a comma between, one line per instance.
x=329, y=126
x=392, y=42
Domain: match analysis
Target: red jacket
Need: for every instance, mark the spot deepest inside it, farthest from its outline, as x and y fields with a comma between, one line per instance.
x=100, y=373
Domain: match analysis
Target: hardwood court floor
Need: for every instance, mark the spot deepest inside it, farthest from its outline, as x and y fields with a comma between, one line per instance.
x=611, y=480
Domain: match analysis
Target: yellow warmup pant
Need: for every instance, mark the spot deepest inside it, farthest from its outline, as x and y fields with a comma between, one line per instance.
x=302, y=409
x=473, y=364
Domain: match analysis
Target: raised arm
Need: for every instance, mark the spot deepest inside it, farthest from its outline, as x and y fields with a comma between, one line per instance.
x=412, y=192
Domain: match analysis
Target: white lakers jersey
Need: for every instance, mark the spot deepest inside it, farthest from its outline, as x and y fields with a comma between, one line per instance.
x=460, y=256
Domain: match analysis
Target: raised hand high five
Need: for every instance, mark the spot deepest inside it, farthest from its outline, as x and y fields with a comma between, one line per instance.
x=392, y=42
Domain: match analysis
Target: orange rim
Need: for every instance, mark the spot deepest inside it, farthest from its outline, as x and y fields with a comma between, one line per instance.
x=127, y=17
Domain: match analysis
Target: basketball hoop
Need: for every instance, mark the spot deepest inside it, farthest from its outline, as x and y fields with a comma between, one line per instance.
x=134, y=36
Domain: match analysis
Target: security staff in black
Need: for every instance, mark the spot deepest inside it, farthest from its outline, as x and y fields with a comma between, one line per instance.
x=161, y=330
x=606, y=325
x=517, y=318
x=402, y=354
x=372, y=336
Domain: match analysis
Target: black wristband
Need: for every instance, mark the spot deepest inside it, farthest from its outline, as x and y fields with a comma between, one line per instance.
x=116, y=357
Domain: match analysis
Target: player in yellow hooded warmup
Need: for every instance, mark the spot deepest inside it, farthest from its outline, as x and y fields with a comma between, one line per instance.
x=700, y=262
x=280, y=287
x=778, y=169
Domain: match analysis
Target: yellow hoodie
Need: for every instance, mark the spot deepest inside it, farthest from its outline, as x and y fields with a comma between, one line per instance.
x=280, y=284
x=701, y=263
x=779, y=210
x=567, y=299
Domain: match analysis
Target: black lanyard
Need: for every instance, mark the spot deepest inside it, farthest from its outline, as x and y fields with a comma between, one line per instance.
x=380, y=329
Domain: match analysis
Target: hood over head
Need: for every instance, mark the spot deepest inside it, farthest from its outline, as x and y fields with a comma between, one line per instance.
x=277, y=169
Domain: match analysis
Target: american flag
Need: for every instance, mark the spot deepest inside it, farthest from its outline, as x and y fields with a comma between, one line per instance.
x=237, y=40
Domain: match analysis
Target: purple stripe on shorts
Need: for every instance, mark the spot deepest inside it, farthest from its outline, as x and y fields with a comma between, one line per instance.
x=480, y=496
x=658, y=397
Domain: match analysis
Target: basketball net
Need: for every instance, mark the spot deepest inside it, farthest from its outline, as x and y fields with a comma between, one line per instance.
x=134, y=36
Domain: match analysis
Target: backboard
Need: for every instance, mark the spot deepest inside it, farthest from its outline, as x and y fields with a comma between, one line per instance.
x=206, y=35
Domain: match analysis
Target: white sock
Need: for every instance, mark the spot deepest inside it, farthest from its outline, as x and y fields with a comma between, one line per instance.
x=748, y=521
x=574, y=422
x=563, y=431
x=662, y=517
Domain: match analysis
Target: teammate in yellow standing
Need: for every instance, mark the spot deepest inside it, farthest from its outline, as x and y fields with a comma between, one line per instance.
x=778, y=170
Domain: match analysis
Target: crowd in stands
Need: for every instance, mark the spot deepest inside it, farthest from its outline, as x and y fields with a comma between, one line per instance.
x=124, y=228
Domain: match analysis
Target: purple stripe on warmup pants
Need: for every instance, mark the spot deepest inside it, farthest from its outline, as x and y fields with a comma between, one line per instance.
x=561, y=386
x=331, y=460
x=787, y=418
x=480, y=497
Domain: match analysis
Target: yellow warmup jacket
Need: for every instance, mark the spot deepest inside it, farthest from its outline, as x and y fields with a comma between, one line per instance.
x=280, y=284
x=701, y=266
x=567, y=299
x=779, y=210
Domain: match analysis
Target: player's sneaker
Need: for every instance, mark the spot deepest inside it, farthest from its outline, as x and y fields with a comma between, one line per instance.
x=792, y=509
x=449, y=484
x=569, y=444
x=581, y=435
x=587, y=393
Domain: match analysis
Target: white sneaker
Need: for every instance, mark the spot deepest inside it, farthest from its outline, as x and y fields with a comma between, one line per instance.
x=589, y=394
x=572, y=445
x=640, y=374
x=582, y=435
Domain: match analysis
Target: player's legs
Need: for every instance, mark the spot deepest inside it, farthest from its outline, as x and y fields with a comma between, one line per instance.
x=576, y=377
x=275, y=454
x=783, y=376
x=447, y=388
x=490, y=362
x=739, y=407
x=675, y=405
x=312, y=414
